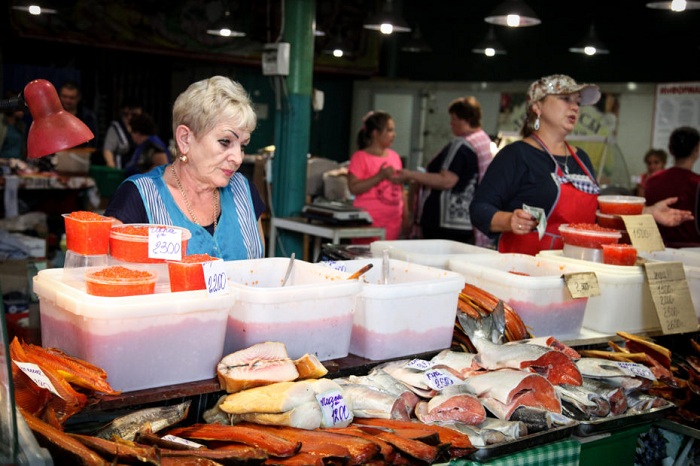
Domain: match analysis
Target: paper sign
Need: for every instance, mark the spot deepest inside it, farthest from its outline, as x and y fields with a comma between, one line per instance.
x=215, y=277
x=333, y=408
x=437, y=379
x=35, y=373
x=182, y=441
x=671, y=296
x=164, y=243
x=635, y=370
x=419, y=364
x=644, y=234
x=582, y=284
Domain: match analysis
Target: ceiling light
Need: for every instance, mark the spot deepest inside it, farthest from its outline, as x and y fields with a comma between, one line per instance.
x=675, y=5
x=336, y=47
x=416, y=44
x=387, y=22
x=591, y=45
x=490, y=46
x=35, y=10
x=513, y=13
x=222, y=28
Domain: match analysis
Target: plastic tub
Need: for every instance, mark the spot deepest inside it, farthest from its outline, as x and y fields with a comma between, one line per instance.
x=87, y=233
x=532, y=286
x=430, y=252
x=610, y=221
x=584, y=254
x=188, y=274
x=117, y=281
x=588, y=235
x=621, y=205
x=141, y=341
x=129, y=242
x=624, y=303
x=414, y=312
x=312, y=313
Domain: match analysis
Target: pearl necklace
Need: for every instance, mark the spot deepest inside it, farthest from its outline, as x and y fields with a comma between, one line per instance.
x=187, y=202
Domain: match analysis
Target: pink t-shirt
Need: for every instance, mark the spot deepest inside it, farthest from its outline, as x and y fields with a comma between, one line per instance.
x=384, y=202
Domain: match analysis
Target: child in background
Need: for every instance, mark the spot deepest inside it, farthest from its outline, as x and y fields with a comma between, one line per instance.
x=655, y=160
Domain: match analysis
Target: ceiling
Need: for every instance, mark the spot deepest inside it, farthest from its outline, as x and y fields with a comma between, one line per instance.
x=646, y=45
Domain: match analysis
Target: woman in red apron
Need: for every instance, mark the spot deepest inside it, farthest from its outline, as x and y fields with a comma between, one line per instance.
x=542, y=171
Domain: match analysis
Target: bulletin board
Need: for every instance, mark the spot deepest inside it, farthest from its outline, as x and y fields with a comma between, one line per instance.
x=675, y=104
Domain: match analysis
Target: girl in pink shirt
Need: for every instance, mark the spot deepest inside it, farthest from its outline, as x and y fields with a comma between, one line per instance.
x=370, y=174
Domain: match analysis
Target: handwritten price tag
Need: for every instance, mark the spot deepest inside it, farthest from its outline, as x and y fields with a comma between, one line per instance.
x=582, y=284
x=35, y=373
x=419, y=364
x=644, y=234
x=333, y=408
x=215, y=277
x=671, y=296
x=636, y=370
x=438, y=379
x=164, y=243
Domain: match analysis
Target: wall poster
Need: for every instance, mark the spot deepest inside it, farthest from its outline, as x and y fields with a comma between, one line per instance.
x=675, y=104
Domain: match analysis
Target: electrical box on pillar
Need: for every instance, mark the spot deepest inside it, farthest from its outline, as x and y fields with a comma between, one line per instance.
x=275, y=59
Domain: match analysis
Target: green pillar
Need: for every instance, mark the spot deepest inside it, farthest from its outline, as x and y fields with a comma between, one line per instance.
x=293, y=122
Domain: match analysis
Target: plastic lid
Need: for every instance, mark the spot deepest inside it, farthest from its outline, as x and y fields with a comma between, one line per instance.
x=589, y=229
x=138, y=232
x=619, y=199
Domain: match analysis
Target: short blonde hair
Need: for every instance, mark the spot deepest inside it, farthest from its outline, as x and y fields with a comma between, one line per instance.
x=207, y=102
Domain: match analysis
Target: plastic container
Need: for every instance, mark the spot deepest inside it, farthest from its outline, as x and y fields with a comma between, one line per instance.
x=430, y=252
x=129, y=242
x=610, y=221
x=312, y=313
x=533, y=287
x=414, y=312
x=624, y=303
x=584, y=254
x=87, y=233
x=621, y=205
x=588, y=235
x=188, y=274
x=141, y=341
x=619, y=254
x=690, y=257
x=118, y=281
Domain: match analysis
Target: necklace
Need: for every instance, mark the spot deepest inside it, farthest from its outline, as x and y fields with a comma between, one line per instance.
x=565, y=165
x=187, y=202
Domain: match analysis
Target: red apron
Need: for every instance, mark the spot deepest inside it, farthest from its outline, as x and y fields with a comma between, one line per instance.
x=572, y=206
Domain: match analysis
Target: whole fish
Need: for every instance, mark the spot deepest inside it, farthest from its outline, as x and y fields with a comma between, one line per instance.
x=587, y=401
x=159, y=418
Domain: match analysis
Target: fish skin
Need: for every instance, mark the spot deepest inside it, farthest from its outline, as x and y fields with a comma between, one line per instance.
x=589, y=402
x=384, y=381
x=371, y=401
x=614, y=395
x=159, y=418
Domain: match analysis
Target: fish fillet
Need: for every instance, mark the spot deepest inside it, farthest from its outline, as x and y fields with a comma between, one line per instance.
x=310, y=367
x=303, y=416
x=454, y=403
x=258, y=365
x=275, y=398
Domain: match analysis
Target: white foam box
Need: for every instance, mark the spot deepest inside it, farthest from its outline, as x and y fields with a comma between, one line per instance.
x=141, y=341
x=312, y=313
x=532, y=286
x=430, y=252
x=625, y=302
x=413, y=312
x=691, y=267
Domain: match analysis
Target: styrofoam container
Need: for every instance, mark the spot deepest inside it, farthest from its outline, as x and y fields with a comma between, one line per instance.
x=691, y=267
x=624, y=303
x=142, y=341
x=312, y=313
x=532, y=286
x=413, y=312
x=430, y=252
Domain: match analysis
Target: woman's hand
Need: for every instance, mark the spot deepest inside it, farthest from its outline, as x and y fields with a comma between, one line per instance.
x=666, y=215
x=522, y=222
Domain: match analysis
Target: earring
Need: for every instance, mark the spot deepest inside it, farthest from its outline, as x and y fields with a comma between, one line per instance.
x=183, y=158
x=537, y=123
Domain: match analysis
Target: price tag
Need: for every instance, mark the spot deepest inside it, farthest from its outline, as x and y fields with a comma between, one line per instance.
x=419, y=364
x=182, y=441
x=215, y=277
x=644, y=234
x=164, y=243
x=635, y=370
x=35, y=373
x=671, y=296
x=333, y=408
x=437, y=379
x=582, y=284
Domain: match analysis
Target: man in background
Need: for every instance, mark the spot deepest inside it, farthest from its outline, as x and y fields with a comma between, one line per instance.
x=71, y=96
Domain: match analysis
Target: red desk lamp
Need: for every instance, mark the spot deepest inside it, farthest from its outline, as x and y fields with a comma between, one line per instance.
x=53, y=129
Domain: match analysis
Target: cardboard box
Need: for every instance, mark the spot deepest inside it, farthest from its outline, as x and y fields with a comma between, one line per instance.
x=413, y=313
x=312, y=313
x=141, y=341
x=532, y=286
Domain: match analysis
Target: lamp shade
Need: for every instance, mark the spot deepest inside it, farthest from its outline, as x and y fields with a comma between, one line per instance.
x=490, y=46
x=513, y=13
x=387, y=22
x=591, y=45
x=53, y=129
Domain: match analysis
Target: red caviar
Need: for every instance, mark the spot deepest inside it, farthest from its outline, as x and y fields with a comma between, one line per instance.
x=117, y=281
x=87, y=233
x=129, y=243
x=188, y=274
x=619, y=254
